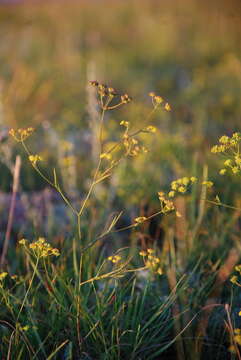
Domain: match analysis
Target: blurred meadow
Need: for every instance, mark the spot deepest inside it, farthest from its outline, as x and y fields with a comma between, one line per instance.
x=87, y=303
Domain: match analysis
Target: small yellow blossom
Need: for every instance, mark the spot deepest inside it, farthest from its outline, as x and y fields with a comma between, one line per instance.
x=237, y=160
x=238, y=268
x=125, y=98
x=209, y=184
x=140, y=219
x=106, y=156
x=21, y=134
x=22, y=242
x=152, y=262
x=174, y=185
x=222, y=171
x=193, y=179
x=24, y=328
x=160, y=271
x=3, y=275
x=158, y=99
x=237, y=336
x=34, y=159
x=224, y=139
x=235, y=169
x=234, y=279
x=228, y=162
x=41, y=248
x=167, y=107
x=171, y=194
x=55, y=252
x=114, y=259
x=143, y=253
x=125, y=123
x=185, y=181
x=151, y=129
x=178, y=214
x=230, y=147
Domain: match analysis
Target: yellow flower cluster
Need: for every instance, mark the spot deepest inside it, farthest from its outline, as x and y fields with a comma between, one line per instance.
x=236, y=340
x=3, y=275
x=181, y=185
x=208, y=184
x=177, y=186
x=40, y=248
x=132, y=146
x=34, y=159
x=235, y=278
x=125, y=123
x=140, y=220
x=22, y=328
x=114, y=259
x=237, y=336
x=226, y=143
x=157, y=100
x=150, y=129
x=109, y=94
x=166, y=204
x=151, y=261
x=106, y=156
x=21, y=134
x=229, y=146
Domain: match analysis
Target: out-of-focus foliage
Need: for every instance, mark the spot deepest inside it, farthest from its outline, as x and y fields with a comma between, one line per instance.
x=189, y=52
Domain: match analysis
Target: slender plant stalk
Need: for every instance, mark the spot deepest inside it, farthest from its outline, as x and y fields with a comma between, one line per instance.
x=16, y=175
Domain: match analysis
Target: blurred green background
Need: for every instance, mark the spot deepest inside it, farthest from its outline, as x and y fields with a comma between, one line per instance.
x=186, y=51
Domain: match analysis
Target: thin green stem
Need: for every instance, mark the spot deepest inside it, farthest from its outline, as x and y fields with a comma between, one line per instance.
x=54, y=185
x=30, y=285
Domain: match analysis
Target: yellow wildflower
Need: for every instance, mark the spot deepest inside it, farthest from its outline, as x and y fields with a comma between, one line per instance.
x=140, y=219
x=178, y=214
x=209, y=184
x=193, y=179
x=224, y=139
x=151, y=129
x=3, y=275
x=235, y=169
x=41, y=248
x=21, y=134
x=222, y=171
x=167, y=107
x=34, y=159
x=143, y=253
x=125, y=123
x=114, y=259
x=234, y=279
x=171, y=194
x=228, y=162
x=106, y=156
x=158, y=99
x=22, y=242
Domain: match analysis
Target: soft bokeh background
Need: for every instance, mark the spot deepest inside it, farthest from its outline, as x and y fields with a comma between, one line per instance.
x=186, y=51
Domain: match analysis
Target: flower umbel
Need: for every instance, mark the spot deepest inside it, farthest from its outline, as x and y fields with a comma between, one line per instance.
x=21, y=134
x=40, y=248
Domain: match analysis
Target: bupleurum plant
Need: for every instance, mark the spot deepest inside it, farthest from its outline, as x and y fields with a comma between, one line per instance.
x=67, y=293
x=129, y=145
